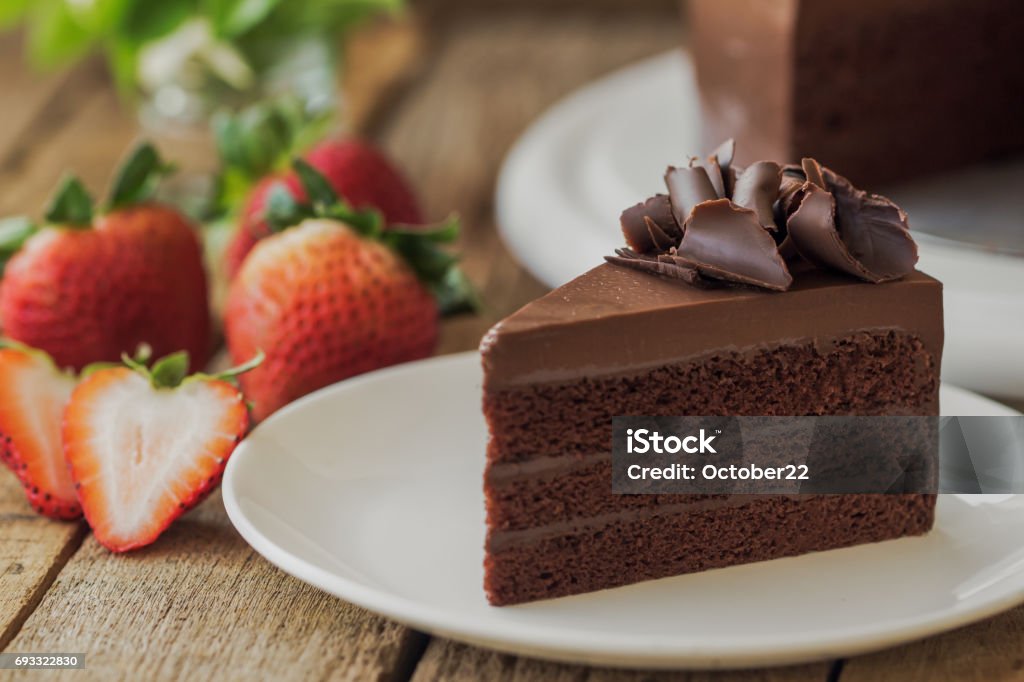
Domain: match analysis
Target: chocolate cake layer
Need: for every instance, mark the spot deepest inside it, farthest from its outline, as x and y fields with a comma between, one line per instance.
x=613, y=320
x=884, y=372
x=875, y=88
x=622, y=550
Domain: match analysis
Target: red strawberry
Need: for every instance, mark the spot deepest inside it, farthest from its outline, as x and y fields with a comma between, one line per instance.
x=33, y=393
x=146, y=446
x=85, y=289
x=324, y=304
x=357, y=171
x=334, y=297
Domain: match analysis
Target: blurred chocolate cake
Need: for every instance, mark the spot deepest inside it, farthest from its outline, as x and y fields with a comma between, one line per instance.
x=884, y=89
x=764, y=290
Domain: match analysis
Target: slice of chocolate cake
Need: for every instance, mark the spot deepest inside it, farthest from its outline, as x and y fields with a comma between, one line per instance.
x=886, y=90
x=714, y=310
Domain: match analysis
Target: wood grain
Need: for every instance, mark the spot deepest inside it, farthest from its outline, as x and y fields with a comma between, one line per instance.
x=201, y=604
x=990, y=651
x=447, y=660
x=33, y=549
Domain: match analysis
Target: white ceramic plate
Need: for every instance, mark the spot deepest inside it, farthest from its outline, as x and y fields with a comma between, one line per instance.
x=606, y=146
x=372, y=490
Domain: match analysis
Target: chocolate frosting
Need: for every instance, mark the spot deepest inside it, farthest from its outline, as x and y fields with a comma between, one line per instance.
x=741, y=226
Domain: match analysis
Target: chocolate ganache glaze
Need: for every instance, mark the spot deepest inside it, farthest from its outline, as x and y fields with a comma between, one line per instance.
x=720, y=224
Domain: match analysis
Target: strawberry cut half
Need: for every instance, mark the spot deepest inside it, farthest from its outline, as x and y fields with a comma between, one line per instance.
x=145, y=447
x=33, y=393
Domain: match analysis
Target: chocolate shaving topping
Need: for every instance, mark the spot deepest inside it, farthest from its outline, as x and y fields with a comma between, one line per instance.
x=666, y=265
x=723, y=158
x=723, y=223
x=688, y=187
x=863, y=234
x=757, y=189
x=812, y=171
x=792, y=182
x=727, y=242
x=661, y=240
x=650, y=226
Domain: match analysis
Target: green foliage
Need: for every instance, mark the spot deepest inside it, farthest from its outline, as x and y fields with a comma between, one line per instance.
x=71, y=204
x=61, y=32
x=137, y=177
x=14, y=232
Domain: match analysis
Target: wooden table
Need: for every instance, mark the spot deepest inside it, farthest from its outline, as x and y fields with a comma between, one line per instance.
x=446, y=94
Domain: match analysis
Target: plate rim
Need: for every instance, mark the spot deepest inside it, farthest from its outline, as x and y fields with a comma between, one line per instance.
x=554, y=643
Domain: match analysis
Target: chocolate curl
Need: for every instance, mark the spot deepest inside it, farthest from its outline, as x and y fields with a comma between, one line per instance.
x=865, y=235
x=688, y=187
x=723, y=158
x=726, y=242
x=812, y=171
x=666, y=265
x=791, y=183
x=757, y=188
x=650, y=226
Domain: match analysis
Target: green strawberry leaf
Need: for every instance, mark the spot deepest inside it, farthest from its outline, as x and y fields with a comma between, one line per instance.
x=169, y=371
x=263, y=137
x=282, y=210
x=14, y=232
x=71, y=205
x=369, y=222
x=444, y=232
x=247, y=366
x=137, y=176
x=317, y=188
x=455, y=294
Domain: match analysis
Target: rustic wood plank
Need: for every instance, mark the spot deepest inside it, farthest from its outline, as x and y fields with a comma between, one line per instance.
x=86, y=136
x=201, y=604
x=32, y=551
x=447, y=660
x=30, y=95
x=989, y=651
x=378, y=63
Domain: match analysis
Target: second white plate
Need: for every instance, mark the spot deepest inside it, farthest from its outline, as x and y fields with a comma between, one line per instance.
x=372, y=490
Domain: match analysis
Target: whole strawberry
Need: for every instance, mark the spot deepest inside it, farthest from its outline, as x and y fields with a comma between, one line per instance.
x=335, y=295
x=144, y=446
x=87, y=287
x=355, y=170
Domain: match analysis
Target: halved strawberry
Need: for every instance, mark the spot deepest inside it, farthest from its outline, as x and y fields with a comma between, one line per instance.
x=33, y=393
x=144, y=446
